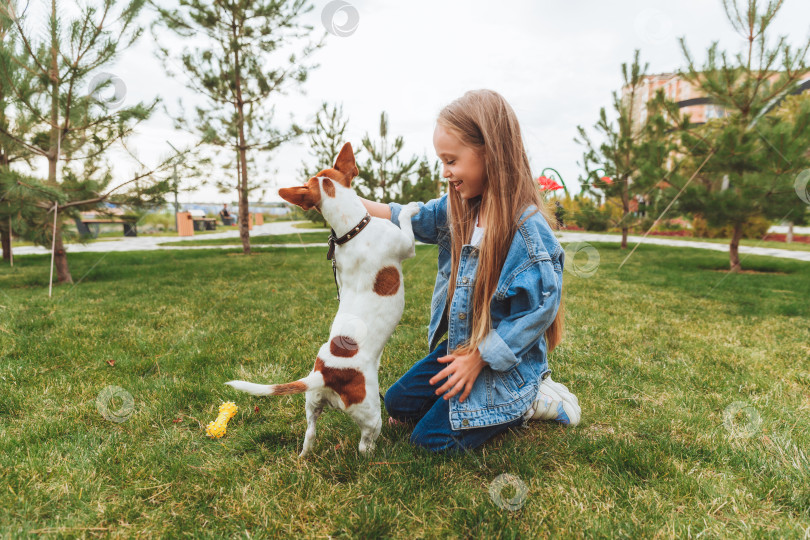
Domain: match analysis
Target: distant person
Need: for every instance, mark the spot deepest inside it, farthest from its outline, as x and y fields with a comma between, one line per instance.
x=559, y=214
x=227, y=218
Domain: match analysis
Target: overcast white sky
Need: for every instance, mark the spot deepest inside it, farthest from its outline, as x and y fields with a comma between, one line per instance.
x=555, y=62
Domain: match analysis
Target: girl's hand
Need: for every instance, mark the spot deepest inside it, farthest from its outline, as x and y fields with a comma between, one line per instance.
x=464, y=370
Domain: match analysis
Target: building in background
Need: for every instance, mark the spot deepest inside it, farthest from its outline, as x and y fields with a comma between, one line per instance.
x=689, y=98
x=691, y=101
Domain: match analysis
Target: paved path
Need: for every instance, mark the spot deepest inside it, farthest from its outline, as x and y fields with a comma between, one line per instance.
x=783, y=229
x=147, y=243
x=570, y=236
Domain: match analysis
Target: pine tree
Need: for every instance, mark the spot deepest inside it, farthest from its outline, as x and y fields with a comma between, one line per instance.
x=26, y=200
x=634, y=150
x=230, y=70
x=17, y=80
x=427, y=186
x=76, y=126
x=383, y=173
x=752, y=153
x=325, y=139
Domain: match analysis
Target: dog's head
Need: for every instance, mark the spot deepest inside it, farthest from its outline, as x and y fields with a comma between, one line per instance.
x=323, y=188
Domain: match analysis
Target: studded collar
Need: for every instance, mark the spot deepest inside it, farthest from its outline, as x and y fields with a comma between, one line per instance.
x=330, y=255
x=354, y=231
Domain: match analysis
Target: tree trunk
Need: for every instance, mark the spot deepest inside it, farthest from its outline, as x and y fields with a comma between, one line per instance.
x=244, y=207
x=5, y=235
x=53, y=141
x=5, y=240
x=789, y=237
x=244, y=226
x=733, y=253
x=60, y=258
x=625, y=212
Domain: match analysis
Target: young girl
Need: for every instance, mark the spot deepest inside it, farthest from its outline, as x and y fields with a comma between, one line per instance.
x=502, y=308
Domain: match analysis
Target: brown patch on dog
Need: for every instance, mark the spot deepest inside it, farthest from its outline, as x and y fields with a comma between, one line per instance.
x=296, y=387
x=387, y=281
x=343, y=346
x=329, y=187
x=306, y=197
x=349, y=383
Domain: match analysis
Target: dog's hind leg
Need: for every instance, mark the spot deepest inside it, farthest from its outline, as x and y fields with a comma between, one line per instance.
x=368, y=437
x=314, y=408
x=368, y=417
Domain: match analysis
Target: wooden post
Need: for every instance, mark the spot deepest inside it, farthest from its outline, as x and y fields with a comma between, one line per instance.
x=185, y=224
x=53, y=248
x=7, y=251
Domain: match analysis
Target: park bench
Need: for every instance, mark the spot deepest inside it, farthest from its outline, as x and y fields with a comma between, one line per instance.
x=204, y=223
x=90, y=226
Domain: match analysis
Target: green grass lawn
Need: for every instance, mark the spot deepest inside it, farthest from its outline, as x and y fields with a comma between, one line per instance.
x=302, y=238
x=102, y=237
x=657, y=353
x=311, y=225
x=322, y=234
x=110, y=236
x=751, y=242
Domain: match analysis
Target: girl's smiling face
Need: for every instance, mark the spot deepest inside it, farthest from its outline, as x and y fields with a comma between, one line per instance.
x=463, y=165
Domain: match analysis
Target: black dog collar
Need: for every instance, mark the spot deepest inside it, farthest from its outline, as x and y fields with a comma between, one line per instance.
x=346, y=237
x=330, y=255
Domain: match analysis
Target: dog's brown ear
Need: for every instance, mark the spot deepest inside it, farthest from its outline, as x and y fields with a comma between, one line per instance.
x=346, y=165
x=306, y=196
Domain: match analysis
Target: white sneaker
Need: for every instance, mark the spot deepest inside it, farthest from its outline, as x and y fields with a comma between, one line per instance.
x=554, y=402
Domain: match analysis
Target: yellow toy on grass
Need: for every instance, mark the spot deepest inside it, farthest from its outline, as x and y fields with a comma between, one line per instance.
x=217, y=428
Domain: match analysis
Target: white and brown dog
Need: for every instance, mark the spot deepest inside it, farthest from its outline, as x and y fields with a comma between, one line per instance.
x=368, y=254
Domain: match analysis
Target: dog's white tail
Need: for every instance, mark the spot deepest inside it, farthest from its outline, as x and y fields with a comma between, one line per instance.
x=310, y=382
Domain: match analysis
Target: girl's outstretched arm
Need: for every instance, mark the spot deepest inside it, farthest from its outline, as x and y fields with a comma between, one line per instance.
x=379, y=210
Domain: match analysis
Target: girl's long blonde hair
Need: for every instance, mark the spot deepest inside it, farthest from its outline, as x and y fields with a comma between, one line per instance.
x=484, y=121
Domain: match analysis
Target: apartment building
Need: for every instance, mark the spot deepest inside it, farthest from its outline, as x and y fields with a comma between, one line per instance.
x=688, y=97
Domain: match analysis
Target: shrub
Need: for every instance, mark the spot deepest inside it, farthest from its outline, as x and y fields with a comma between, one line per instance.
x=312, y=215
x=162, y=221
x=755, y=227
x=589, y=216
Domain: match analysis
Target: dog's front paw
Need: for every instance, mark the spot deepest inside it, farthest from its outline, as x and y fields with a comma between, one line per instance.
x=408, y=211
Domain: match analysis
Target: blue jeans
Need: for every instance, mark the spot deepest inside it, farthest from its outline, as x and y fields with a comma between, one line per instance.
x=413, y=399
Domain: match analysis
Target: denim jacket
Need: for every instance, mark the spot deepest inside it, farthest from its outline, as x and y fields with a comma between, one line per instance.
x=523, y=307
